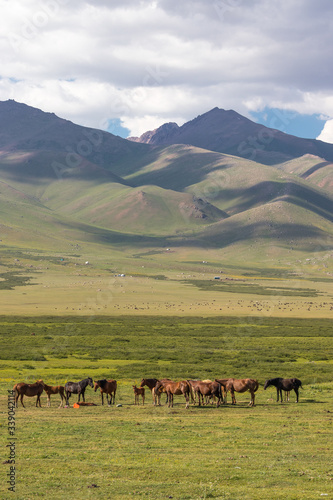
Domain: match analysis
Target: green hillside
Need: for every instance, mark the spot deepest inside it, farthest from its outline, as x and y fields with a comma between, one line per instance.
x=165, y=215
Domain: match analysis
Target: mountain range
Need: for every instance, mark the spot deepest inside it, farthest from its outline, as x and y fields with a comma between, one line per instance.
x=217, y=181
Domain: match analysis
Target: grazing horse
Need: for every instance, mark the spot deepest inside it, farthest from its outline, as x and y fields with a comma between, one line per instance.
x=108, y=387
x=223, y=382
x=242, y=385
x=54, y=389
x=206, y=389
x=30, y=390
x=151, y=383
x=77, y=388
x=284, y=384
x=174, y=388
x=139, y=391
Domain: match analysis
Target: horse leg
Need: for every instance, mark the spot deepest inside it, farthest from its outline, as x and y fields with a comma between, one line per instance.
x=233, y=397
x=62, y=400
x=21, y=399
x=187, y=399
x=252, y=398
x=296, y=392
x=103, y=398
x=48, y=400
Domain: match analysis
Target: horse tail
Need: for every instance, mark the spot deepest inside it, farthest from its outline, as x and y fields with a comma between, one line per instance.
x=191, y=390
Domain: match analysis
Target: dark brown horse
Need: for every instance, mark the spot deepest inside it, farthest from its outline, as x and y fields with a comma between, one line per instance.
x=108, y=387
x=53, y=389
x=284, y=384
x=151, y=383
x=242, y=385
x=29, y=390
x=174, y=388
x=206, y=389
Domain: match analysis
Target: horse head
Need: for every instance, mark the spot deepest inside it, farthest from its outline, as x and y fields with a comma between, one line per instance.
x=96, y=386
x=90, y=382
x=267, y=384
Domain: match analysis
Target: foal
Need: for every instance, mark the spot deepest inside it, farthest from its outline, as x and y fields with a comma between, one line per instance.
x=139, y=391
x=54, y=389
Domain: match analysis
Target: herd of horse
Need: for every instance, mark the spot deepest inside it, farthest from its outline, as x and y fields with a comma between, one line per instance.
x=203, y=391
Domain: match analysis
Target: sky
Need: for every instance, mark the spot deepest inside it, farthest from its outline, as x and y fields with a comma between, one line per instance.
x=129, y=66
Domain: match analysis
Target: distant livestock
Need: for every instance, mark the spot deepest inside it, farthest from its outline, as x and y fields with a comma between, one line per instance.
x=241, y=385
x=174, y=388
x=138, y=391
x=108, y=387
x=29, y=390
x=284, y=384
x=56, y=389
x=77, y=388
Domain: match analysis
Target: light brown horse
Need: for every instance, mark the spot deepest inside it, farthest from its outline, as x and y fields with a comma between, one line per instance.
x=174, y=388
x=139, y=391
x=53, y=389
x=242, y=385
x=29, y=390
x=108, y=387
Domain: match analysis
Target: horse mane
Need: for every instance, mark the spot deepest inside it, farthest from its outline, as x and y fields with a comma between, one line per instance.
x=102, y=382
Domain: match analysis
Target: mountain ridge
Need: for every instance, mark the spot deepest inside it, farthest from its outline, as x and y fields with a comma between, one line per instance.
x=226, y=131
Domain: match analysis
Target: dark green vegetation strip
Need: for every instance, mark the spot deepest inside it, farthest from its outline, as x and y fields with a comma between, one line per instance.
x=176, y=347
x=234, y=286
x=11, y=279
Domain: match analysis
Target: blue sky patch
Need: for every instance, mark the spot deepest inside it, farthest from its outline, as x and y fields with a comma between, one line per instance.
x=115, y=127
x=290, y=122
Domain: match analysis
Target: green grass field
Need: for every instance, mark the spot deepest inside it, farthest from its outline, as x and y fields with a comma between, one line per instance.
x=274, y=450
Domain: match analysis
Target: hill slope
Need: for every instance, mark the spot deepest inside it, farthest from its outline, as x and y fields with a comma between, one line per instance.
x=62, y=183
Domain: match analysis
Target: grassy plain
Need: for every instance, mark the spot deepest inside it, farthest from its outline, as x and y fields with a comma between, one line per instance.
x=168, y=316
x=162, y=281
x=272, y=450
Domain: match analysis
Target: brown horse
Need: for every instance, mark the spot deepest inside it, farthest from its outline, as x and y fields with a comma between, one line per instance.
x=174, y=388
x=29, y=390
x=223, y=382
x=139, y=391
x=206, y=389
x=108, y=387
x=53, y=389
x=151, y=383
x=242, y=385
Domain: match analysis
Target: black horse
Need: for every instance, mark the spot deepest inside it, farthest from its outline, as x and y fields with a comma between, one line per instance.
x=284, y=384
x=77, y=388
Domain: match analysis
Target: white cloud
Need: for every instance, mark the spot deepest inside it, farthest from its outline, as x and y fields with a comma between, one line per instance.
x=327, y=132
x=150, y=61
